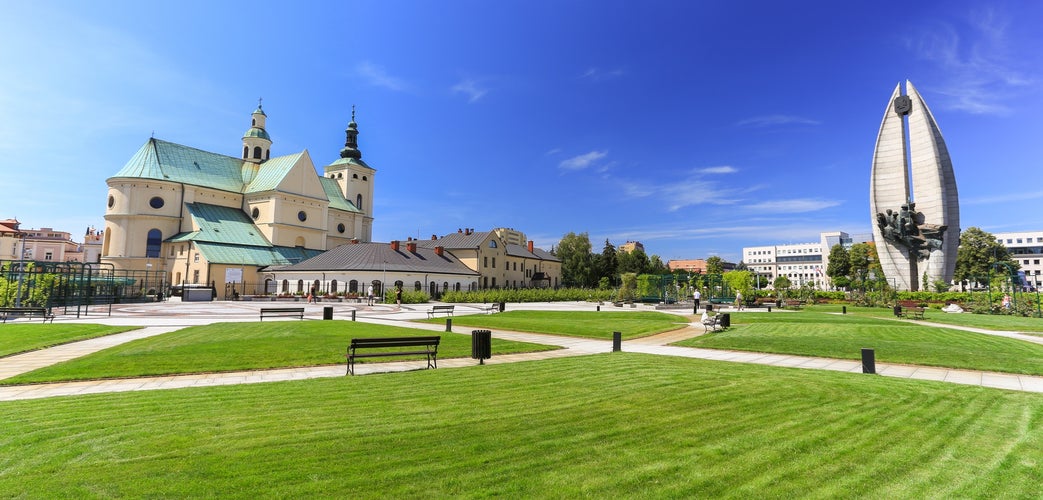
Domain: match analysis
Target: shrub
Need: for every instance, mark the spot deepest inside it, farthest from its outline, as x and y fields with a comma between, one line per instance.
x=528, y=295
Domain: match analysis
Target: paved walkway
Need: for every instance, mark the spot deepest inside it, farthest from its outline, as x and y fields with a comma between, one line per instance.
x=168, y=317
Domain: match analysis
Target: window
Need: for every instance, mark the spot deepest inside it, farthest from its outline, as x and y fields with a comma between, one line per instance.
x=417, y=286
x=285, y=286
x=255, y=213
x=301, y=216
x=257, y=152
x=156, y=202
x=152, y=244
x=333, y=286
x=340, y=228
x=48, y=256
x=355, y=176
x=300, y=286
x=246, y=152
x=365, y=178
x=492, y=243
x=112, y=201
x=358, y=202
x=195, y=277
x=196, y=258
x=353, y=286
x=494, y=265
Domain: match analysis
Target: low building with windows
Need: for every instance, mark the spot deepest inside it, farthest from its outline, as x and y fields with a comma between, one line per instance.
x=44, y=244
x=800, y=262
x=207, y=218
x=500, y=264
x=363, y=269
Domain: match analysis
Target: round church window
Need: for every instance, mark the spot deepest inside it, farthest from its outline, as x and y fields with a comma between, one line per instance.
x=255, y=213
x=340, y=228
x=156, y=202
x=301, y=216
x=112, y=201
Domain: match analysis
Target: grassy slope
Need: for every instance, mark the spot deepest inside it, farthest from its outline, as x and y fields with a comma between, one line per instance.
x=986, y=321
x=589, y=324
x=23, y=337
x=612, y=425
x=245, y=346
x=835, y=336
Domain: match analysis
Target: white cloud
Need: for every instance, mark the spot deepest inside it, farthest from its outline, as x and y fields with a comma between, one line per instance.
x=600, y=75
x=775, y=120
x=582, y=161
x=723, y=169
x=792, y=206
x=378, y=77
x=471, y=89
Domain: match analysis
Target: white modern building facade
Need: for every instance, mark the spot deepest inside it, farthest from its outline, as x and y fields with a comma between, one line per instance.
x=802, y=263
x=1026, y=248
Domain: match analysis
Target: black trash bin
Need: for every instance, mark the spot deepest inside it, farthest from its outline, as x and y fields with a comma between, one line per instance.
x=481, y=345
x=726, y=320
x=709, y=307
x=327, y=312
x=503, y=306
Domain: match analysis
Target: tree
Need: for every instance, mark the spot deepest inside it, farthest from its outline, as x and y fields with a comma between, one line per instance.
x=739, y=281
x=714, y=265
x=632, y=262
x=627, y=287
x=860, y=258
x=839, y=265
x=576, y=261
x=607, y=262
x=656, y=266
x=782, y=284
x=979, y=252
x=741, y=266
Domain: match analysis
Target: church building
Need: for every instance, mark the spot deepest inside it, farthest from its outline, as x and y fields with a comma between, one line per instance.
x=202, y=217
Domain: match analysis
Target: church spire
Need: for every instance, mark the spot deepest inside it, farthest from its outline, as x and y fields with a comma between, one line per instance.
x=256, y=142
x=351, y=144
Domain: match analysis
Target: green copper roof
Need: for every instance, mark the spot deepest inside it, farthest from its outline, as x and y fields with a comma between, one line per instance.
x=218, y=253
x=224, y=225
x=167, y=161
x=335, y=196
x=257, y=132
x=272, y=172
x=352, y=161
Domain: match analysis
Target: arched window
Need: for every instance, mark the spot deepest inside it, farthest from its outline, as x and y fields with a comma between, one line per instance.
x=257, y=152
x=353, y=286
x=333, y=286
x=457, y=287
x=246, y=152
x=155, y=239
x=267, y=154
x=355, y=176
x=285, y=286
x=417, y=286
x=300, y=286
x=433, y=289
x=315, y=285
x=358, y=202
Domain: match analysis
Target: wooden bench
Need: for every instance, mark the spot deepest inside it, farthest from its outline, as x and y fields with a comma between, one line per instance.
x=447, y=310
x=909, y=309
x=765, y=301
x=274, y=312
x=793, y=304
x=30, y=312
x=430, y=345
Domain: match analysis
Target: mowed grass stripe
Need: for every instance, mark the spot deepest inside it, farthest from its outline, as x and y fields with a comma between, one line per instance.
x=587, y=324
x=23, y=337
x=618, y=424
x=843, y=336
x=225, y=347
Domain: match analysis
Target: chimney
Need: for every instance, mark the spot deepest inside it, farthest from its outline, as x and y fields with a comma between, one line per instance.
x=530, y=246
x=439, y=251
x=459, y=231
x=354, y=241
x=411, y=247
x=433, y=237
x=394, y=245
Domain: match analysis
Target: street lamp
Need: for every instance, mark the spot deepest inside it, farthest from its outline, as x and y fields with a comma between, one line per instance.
x=21, y=271
x=384, y=284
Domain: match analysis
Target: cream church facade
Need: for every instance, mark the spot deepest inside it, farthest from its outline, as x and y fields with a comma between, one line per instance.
x=207, y=218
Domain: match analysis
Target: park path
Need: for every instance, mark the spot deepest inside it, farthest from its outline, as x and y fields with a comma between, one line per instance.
x=570, y=346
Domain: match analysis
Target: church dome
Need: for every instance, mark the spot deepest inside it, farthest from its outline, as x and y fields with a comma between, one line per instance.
x=257, y=132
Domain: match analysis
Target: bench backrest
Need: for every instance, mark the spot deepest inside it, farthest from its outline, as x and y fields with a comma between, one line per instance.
x=32, y=310
x=439, y=308
x=909, y=303
x=282, y=309
x=395, y=342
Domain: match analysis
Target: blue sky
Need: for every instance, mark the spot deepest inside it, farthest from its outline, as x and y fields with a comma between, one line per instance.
x=696, y=128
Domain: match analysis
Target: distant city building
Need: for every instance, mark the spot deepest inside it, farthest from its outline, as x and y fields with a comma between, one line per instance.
x=510, y=236
x=45, y=244
x=800, y=262
x=690, y=265
x=1026, y=248
x=630, y=246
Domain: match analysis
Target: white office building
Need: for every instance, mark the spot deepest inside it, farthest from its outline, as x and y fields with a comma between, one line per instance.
x=800, y=262
x=1026, y=248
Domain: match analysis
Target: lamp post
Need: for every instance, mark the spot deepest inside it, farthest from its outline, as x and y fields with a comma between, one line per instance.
x=384, y=284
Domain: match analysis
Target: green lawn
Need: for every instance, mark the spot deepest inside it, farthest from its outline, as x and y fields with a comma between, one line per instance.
x=617, y=425
x=22, y=337
x=224, y=347
x=985, y=321
x=843, y=336
x=589, y=324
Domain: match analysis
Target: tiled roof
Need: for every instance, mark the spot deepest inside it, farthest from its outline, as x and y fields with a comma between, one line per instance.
x=380, y=256
x=545, y=255
x=457, y=240
x=219, y=253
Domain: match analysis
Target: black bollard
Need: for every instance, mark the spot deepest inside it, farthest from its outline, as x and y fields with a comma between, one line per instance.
x=449, y=324
x=599, y=308
x=769, y=308
x=843, y=309
x=353, y=315
x=868, y=361
x=617, y=341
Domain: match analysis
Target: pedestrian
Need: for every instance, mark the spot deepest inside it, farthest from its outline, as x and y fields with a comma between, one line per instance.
x=369, y=295
x=311, y=296
x=398, y=296
x=738, y=300
x=696, y=295
x=1006, y=301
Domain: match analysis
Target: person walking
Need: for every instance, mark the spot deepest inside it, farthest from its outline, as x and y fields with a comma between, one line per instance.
x=398, y=296
x=311, y=296
x=738, y=300
x=696, y=295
